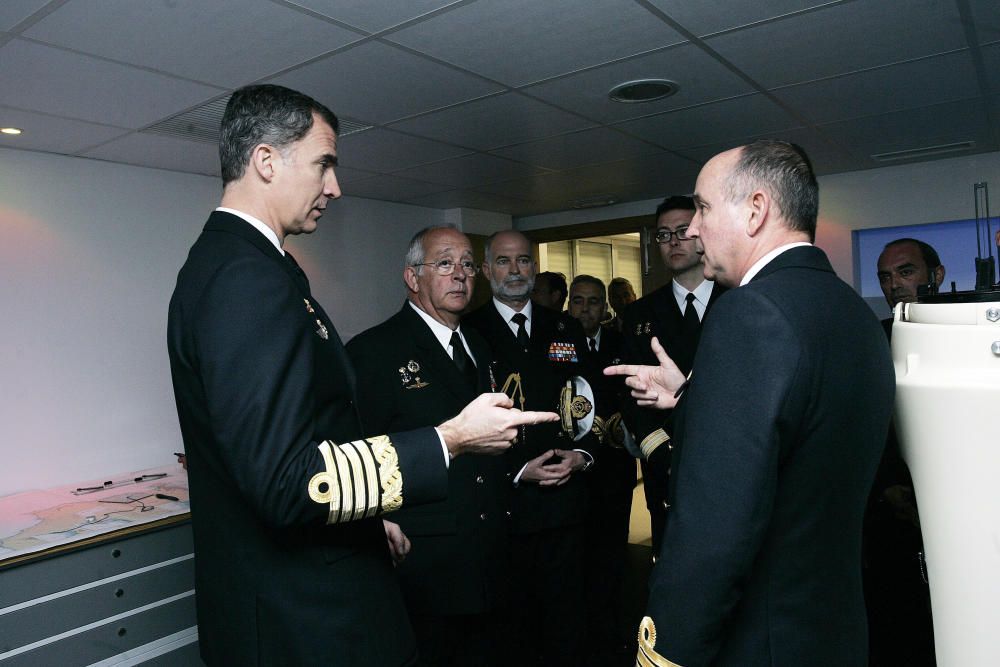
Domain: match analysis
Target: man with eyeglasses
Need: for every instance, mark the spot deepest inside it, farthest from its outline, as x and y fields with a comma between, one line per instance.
x=418, y=368
x=673, y=314
x=535, y=351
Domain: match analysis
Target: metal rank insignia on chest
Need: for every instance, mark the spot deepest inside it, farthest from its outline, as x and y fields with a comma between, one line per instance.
x=643, y=328
x=563, y=352
x=408, y=374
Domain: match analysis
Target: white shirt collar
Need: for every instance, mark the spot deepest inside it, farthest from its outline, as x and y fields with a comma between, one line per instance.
x=597, y=338
x=702, y=293
x=260, y=226
x=441, y=331
x=506, y=312
x=766, y=259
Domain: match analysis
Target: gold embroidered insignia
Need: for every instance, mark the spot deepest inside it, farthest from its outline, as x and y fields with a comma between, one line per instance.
x=407, y=374
x=647, y=655
x=309, y=308
x=390, y=477
x=646, y=329
x=580, y=407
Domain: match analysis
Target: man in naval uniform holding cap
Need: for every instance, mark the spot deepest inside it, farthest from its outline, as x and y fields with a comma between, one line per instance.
x=536, y=351
x=287, y=488
x=422, y=367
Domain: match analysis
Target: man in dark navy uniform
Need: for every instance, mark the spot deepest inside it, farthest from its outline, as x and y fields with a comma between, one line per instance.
x=422, y=367
x=778, y=433
x=291, y=563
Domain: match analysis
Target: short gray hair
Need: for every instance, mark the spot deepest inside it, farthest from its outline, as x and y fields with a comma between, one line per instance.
x=415, y=253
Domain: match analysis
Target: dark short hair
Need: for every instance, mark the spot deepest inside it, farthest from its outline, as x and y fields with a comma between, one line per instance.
x=621, y=281
x=557, y=282
x=583, y=278
x=927, y=251
x=488, y=243
x=785, y=171
x=682, y=202
x=265, y=114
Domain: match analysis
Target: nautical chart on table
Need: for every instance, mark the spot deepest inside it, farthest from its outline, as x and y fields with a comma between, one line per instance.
x=38, y=520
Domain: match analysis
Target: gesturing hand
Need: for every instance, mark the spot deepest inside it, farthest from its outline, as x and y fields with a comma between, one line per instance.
x=652, y=386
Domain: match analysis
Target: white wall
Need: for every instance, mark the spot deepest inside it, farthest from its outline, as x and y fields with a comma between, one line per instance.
x=88, y=260
x=887, y=197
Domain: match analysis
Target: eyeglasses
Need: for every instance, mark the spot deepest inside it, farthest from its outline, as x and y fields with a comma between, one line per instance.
x=446, y=267
x=664, y=235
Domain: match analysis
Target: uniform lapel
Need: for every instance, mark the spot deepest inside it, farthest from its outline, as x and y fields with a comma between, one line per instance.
x=435, y=358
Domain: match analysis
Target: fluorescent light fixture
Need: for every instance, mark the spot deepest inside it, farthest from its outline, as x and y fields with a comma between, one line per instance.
x=927, y=151
x=10, y=130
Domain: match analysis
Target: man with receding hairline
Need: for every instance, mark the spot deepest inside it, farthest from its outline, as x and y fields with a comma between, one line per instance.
x=776, y=433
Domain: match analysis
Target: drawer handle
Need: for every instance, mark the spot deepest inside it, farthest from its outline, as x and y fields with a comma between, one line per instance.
x=119, y=592
x=121, y=632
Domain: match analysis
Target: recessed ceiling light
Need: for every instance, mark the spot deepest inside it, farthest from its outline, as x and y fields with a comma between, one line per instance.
x=643, y=90
x=10, y=130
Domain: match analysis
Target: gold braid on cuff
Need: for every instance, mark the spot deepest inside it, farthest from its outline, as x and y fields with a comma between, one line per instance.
x=647, y=655
x=362, y=479
x=652, y=441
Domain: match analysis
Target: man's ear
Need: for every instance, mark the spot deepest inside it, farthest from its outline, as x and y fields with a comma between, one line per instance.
x=758, y=205
x=410, y=278
x=939, y=275
x=264, y=160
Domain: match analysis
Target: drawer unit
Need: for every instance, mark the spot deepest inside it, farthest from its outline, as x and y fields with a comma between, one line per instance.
x=110, y=602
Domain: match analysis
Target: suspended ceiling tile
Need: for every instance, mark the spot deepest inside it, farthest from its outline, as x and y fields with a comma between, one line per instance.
x=13, y=12
x=991, y=59
x=391, y=188
x=204, y=41
x=469, y=171
x=729, y=120
x=372, y=16
x=153, y=150
x=349, y=175
x=703, y=18
x=826, y=156
x=55, y=81
x=471, y=199
x=385, y=151
x=577, y=149
x=986, y=14
x=377, y=83
x=814, y=45
x=700, y=77
x=495, y=121
x=909, y=85
x=937, y=125
x=513, y=42
x=52, y=134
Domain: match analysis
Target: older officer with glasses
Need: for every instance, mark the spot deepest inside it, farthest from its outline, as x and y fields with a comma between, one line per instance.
x=418, y=368
x=673, y=314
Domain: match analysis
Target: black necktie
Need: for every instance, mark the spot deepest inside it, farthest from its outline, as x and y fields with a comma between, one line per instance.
x=691, y=322
x=462, y=359
x=593, y=344
x=522, y=333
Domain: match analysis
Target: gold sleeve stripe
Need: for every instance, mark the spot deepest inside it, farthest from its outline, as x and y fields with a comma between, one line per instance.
x=370, y=469
x=346, y=484
x=357, y=509
x=647, y=655
x=361, y=479
x=652, y=441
